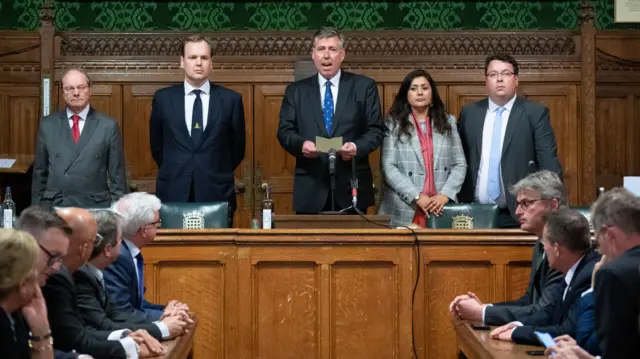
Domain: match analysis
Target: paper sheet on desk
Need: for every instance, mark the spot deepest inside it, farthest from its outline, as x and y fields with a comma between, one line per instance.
x=632, y=183
x=325, y=144
x=7, y=162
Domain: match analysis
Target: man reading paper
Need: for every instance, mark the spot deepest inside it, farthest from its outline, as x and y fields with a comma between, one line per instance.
x=332, y=103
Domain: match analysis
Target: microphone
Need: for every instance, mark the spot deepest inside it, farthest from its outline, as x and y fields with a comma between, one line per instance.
x=532, y=166
x=354, y=183
x=332, y=160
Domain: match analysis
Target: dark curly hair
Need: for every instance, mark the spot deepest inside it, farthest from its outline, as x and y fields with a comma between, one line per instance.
x=400, y=110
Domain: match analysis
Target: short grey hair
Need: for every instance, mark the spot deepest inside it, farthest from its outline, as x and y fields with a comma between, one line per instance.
x=617, y=207
x=109, y=230
x=86, y=75
x=326, y=33
x=570, y=229
x=136, y=209
x=545, y=183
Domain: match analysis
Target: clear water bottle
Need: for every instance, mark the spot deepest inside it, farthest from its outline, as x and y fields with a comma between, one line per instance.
x=8, y=210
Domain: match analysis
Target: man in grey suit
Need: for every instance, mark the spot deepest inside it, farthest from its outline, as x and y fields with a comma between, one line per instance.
x=538, y=194
x=79, y=158
x=505, y=137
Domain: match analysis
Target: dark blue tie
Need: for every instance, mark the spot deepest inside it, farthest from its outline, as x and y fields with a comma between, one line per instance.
x=327, y=108
x=196, y=119
x=140, y=265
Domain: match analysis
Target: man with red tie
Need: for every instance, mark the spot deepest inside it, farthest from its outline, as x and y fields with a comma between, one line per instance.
x=79, y=159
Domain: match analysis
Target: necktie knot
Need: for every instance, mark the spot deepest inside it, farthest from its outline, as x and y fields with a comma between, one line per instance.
x=75, y=119
x=500, y=110
x=197, y=92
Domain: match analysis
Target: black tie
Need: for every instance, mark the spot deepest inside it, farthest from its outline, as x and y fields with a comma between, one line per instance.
x=196, y=119
x=103, y=292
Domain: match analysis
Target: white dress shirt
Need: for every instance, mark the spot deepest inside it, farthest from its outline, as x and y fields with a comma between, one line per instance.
x=83, y=117
x=190, y=98
x=97, y=273
x=335, y=81
x=569, y=276
x=487, y=134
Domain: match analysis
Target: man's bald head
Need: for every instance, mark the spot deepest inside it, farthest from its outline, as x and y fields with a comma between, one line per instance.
x=81, y=241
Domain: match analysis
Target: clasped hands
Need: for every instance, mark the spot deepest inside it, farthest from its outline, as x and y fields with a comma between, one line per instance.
x=432, y=205
x=176, y=317
x=346, y=152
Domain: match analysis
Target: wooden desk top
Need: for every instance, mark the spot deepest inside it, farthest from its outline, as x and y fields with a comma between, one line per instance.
x=22, y=164
x=180, y=347
x=476, y=344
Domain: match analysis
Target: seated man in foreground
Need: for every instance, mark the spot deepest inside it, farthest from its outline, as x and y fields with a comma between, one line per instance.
x=537, y=195
x=96, y=307
x=124, y=278
x=68, y=329
x=567, y=244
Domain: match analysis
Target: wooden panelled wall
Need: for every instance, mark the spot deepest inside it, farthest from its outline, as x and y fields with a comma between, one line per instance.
x=595, y=125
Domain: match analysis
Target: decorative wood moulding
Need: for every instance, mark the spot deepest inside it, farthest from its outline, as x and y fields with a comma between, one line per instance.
x=298, y=44
x=19, y=68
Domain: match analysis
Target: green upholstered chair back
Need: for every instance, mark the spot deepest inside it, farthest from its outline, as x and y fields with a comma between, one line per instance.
x=466, y=216
x=194, y=215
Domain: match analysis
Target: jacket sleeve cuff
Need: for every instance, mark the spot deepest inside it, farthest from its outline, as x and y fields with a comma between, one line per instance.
x=164, y=330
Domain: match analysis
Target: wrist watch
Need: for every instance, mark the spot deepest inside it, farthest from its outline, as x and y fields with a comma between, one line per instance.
x=417, y=198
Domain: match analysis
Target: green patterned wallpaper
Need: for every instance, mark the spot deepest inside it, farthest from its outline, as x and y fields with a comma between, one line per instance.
x=136, y=15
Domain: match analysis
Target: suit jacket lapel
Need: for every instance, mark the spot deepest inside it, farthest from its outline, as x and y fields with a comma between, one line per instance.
x=344, y=92
x=415, y=143
x=89, y=128
x=212, y=116
x=514, y=121
x=481, y=113
x=64, y=131
x=314, y=104
x=126, y=252
x=179, y=121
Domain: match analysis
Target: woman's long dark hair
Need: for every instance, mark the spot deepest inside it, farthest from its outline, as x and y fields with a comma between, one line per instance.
x=400, y=110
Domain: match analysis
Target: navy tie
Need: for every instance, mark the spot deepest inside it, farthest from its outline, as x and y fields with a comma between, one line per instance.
x=140, y=265
x=196, y=119
x=327, y=108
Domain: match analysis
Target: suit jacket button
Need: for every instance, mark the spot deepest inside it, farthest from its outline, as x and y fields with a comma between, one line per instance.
x=410, y=173
x=445, y=168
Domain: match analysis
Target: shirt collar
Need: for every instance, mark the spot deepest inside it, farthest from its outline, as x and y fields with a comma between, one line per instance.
x=588, y=291
x=335, y=80
x=95, y=271
x=206, y=88
x=569, y=276
x=132, y=248
x=83, y=114
x=493, y=106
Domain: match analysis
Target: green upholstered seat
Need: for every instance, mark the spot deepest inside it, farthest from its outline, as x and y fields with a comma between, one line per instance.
x=195, y=215
x=466, y=216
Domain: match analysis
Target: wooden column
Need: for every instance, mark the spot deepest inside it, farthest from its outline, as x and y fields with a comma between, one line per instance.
x=587, y=105
x=47, y=58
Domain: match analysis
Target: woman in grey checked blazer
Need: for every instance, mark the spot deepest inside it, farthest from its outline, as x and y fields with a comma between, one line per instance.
x=423, y=163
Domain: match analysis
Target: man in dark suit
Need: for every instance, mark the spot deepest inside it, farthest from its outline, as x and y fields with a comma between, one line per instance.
x=537, y=195
x=124, y=278
x=567, y=244
x=79, y=157
x=616, y=220
x=505, y=137
x=330, y=104
x=52, y=234
x=68, y=329
x=197, y=133
x=96, y=308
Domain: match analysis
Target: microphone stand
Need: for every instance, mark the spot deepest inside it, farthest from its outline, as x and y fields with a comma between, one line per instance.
x=332, y=173
x=354, y=188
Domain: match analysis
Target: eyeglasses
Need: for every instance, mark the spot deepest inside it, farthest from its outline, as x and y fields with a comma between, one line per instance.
x=505, y=74
x=157, y=223
x=80, y=88
x=525, y=203
x=53, y=259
